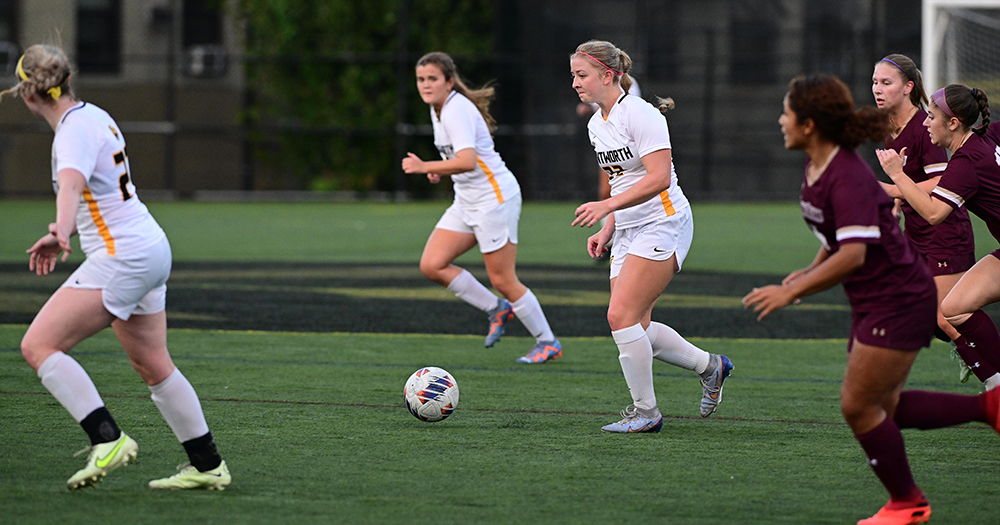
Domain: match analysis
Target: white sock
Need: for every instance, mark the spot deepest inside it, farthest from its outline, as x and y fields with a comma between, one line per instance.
x=992, y=382
x=470, y=290
x=179, y=404
x=530, y=313
x=69, y=383
x=670, y=347
x=636, y=357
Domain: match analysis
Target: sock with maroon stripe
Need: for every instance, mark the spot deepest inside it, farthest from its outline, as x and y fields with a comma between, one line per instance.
x=979, y=366
x=927, y=410
x=980, y=335
x=887, y=456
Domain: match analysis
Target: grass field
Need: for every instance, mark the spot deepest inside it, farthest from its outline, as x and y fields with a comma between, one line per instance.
x=303, y=387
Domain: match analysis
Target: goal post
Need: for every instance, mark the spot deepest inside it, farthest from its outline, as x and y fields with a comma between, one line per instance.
x=960, y=44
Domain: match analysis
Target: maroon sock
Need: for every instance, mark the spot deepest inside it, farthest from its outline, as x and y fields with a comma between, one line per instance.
x=981, y=336
x=979, y=366
x=887, y=456
x=927, y=410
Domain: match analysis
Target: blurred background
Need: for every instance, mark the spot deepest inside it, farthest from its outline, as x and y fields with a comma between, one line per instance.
x=224, y=99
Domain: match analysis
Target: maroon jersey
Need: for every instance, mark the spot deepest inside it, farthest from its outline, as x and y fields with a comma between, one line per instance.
x=845, y=205
x=924, y=160
x=972, y=179
x=993, y=132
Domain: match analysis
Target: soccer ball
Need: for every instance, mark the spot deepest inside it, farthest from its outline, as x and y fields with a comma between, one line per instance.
x=431, y=394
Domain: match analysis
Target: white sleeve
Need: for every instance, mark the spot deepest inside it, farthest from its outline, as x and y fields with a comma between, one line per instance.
x=460, y=125
x=649, y=130
x=76, y=148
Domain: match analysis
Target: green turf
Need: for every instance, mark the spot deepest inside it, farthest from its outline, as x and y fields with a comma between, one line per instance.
x=313, y=429
x=726, y=235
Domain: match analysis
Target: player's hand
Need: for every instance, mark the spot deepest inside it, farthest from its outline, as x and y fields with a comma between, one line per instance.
x=413, y=164
x=44, y=253
x=434, y=178
x=597, y=243
x=891, y=161
x=590, y=213
x=767, y=299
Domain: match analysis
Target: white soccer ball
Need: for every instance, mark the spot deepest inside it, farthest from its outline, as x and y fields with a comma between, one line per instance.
x=431, y=394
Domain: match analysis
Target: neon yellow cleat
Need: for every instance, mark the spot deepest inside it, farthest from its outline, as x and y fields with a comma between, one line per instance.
x=104, y=457
x=189, y=477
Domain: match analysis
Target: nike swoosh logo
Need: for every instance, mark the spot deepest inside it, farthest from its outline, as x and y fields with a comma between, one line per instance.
x=657, y=250
x=103, y=462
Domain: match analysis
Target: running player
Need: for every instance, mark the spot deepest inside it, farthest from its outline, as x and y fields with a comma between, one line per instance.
x=486, y=210
x=971, y=179
x=948, y=248
x=121, y=283
x=650, y=224
x=863, y=247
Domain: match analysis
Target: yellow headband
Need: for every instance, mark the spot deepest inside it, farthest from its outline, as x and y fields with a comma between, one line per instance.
x=54, y=92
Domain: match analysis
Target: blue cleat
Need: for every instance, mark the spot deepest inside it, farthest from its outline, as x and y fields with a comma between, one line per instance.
x=719, y=367
x=542, y=351
x=499, y=316
x=633, y=421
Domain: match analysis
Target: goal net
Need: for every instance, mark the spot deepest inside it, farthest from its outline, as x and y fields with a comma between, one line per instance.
x=961, y=44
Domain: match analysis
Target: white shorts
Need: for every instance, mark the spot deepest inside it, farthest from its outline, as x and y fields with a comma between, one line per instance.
x=132, y=285
x=492, y=227
x=656, y=241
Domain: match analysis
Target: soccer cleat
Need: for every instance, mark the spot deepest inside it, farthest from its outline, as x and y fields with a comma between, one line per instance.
x=103, y=458
x=633, y=421
x=542, y=351
x=920, y=512
x=711, y=388
x=964, y=371
x=991, y=405
x=499, y=316
x=188, y=477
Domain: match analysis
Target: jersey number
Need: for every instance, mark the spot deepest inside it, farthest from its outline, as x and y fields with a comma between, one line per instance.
x=613, y=171
x=123, y=181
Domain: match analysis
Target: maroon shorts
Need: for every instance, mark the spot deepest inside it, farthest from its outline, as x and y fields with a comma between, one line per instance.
x=996, y=253
x=909, y=327
x=950, y=263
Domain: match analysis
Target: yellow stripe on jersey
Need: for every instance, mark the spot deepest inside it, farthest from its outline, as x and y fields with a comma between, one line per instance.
x=102, y=228
x=668, y=205
x=493, y=181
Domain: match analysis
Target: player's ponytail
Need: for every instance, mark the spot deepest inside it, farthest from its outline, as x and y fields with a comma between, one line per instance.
x=43, y=70
x=480, y=97
x=827, y=101
x=665, y=104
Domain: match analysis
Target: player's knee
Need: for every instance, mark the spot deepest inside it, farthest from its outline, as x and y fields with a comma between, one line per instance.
x=620, y=318
x=33, y=351
x=430, y=270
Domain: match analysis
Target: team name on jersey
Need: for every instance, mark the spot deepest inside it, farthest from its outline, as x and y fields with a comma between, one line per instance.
x=447, y=151
x=614, y=155
x=811, y=212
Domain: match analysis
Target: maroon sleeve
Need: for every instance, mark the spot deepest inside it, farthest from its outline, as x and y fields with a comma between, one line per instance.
x=855, y=209
x=958, y=181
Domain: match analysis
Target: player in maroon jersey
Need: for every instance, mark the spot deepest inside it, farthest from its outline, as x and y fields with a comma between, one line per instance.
x=863, y=247
x=972, y=179
x=949, y=247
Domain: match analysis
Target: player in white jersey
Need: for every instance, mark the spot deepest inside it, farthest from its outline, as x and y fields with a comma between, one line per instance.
x=650, y=226
x=486, y=209
x=121, y=283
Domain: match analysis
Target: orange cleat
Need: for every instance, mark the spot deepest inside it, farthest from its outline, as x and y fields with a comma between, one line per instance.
x=920, y=512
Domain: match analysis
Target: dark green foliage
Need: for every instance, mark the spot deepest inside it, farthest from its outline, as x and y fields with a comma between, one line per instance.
x=323, y=82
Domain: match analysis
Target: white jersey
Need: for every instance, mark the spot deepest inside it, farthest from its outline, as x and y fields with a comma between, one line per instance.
x=461, y=126
x=110, y=216
x=633, y=129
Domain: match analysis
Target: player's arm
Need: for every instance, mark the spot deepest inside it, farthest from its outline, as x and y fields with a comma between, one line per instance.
x=932, y=210
x=463, y=161
x=71, y=186
x=926, y=186
x=833, y=269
